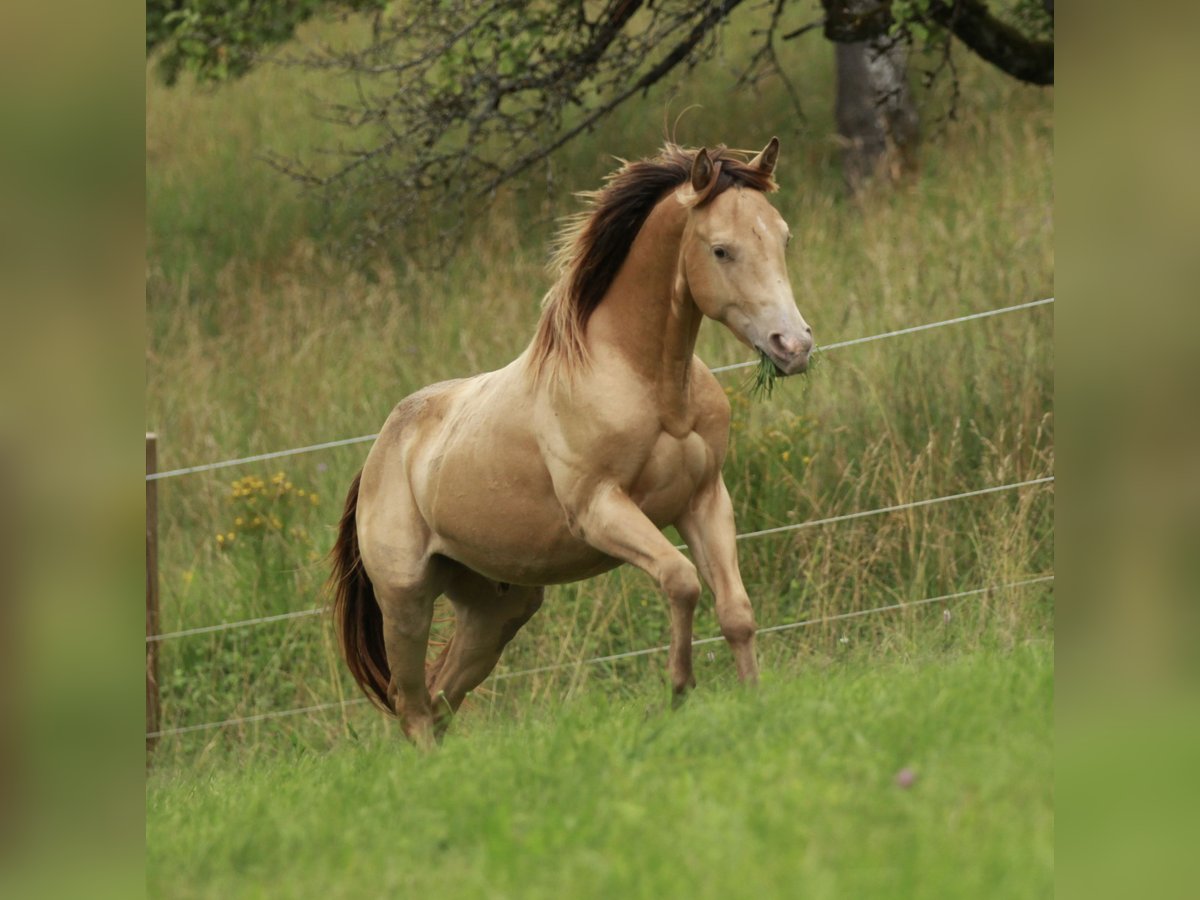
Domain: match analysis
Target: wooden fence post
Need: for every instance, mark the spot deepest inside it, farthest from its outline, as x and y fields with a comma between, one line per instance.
x=152, y=699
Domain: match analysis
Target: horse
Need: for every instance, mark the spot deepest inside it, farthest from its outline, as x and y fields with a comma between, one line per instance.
x=570, y=460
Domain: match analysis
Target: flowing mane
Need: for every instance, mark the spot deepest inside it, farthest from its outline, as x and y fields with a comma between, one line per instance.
x=593, y=244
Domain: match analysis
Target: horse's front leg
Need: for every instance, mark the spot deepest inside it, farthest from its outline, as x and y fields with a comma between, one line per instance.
x=709, y=530
x=612, y=523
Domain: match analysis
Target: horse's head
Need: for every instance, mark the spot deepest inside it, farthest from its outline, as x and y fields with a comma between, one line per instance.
x=734, y=261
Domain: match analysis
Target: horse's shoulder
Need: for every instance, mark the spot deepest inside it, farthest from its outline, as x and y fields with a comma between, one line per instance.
x=707, y=393
x=429, y=401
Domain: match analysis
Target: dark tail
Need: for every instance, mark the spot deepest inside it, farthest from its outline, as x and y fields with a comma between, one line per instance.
x=356, y=614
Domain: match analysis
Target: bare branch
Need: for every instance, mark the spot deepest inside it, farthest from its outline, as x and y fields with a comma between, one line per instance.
x=765, y=60
x=1004, y=46
x=995, y=41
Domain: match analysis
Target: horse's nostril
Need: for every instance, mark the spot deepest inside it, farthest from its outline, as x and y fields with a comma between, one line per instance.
x=786, y=344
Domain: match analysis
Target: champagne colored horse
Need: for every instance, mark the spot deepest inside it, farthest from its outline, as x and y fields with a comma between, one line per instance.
x=569, y=461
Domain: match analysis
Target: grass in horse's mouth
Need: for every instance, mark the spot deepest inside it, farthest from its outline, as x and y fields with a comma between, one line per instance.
x=765, y=377
x=762, y=382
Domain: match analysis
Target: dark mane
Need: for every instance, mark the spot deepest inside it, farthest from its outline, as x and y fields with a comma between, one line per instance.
x=593, y=244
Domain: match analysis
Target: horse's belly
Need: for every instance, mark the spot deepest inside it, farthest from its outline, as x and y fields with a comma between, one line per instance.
x=510, y=539
x=496, y=513
x=521, y=564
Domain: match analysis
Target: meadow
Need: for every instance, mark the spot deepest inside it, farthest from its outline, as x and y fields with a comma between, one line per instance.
x=798, y=789
x=264, y=333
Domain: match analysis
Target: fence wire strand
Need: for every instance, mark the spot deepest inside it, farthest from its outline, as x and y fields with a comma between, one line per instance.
x=614, y=657
x=225, y=464
x=344, y=442
x=910, y=330
x=241, y=623
x=318, y=610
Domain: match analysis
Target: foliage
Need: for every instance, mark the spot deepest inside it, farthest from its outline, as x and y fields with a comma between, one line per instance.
x=268, y=542
x=1033, y=17
x=453, y=100
x=218, y=40
x=456, y=102
x=1017, y=37
x=260, y=509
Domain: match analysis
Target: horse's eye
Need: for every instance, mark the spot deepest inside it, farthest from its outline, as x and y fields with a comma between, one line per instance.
x=720, y=253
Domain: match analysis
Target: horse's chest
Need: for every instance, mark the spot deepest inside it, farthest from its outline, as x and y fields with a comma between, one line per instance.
x=673, y=472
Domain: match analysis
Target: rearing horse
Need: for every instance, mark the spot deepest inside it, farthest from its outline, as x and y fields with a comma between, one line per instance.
x=568, y=461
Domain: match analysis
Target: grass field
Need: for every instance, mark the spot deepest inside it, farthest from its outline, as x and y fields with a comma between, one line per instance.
x=262, y=334
x=789, y=791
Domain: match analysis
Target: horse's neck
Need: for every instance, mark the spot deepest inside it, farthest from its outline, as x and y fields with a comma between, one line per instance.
x=648, y=317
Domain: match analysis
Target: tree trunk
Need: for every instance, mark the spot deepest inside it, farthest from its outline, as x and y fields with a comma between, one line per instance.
x=876, y=118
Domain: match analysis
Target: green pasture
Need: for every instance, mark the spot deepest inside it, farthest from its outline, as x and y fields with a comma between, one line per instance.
x=788, y=791
x=266, y=331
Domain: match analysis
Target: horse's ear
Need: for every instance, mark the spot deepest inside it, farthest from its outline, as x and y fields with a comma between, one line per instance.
x=765, y=161
x=702, y=171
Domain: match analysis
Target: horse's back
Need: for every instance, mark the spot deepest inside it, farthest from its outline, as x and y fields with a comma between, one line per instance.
x=411, y=421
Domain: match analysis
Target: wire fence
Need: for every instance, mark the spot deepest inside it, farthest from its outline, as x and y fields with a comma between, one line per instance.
x=944, y=598
x=795, y=526
x=361, y=439
x=615, y=657
x=912, y=329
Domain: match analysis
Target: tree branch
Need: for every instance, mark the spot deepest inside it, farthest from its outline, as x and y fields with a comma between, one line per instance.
x=993, y=40
x=648, y=80
x=997, y=42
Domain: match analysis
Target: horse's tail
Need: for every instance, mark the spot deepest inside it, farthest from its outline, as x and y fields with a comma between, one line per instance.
x=356, y=613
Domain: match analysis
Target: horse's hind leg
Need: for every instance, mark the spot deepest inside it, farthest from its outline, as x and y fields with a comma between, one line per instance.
x=487, y=616
x=407, y=615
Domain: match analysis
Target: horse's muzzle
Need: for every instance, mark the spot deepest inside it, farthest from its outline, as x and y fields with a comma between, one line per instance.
x=790, y=352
